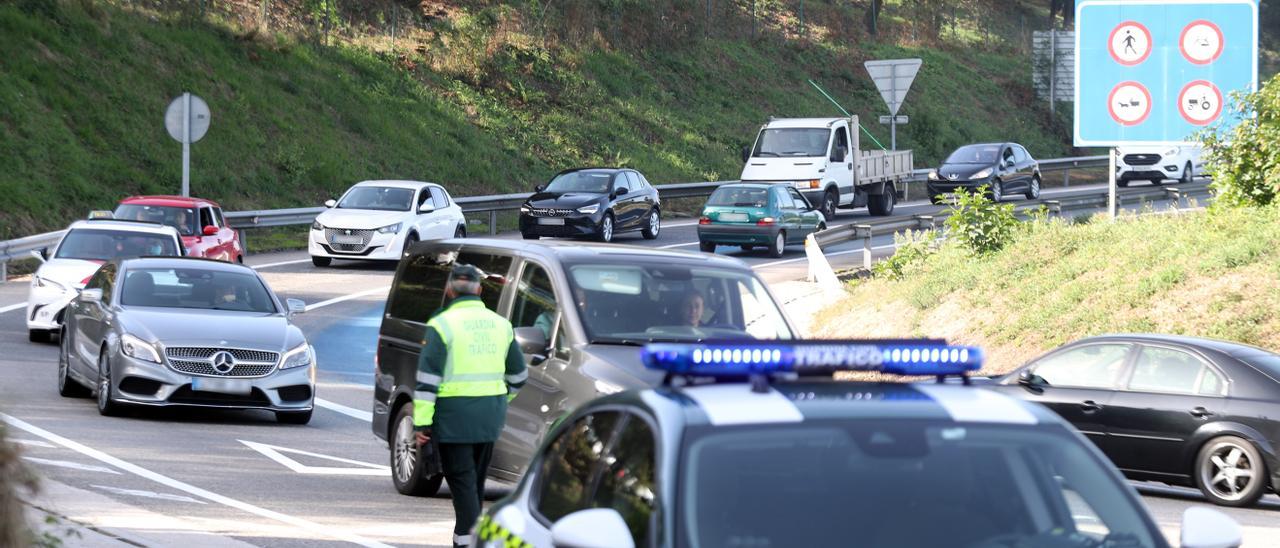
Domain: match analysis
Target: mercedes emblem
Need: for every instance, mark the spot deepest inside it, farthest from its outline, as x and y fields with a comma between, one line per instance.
x=223, y=362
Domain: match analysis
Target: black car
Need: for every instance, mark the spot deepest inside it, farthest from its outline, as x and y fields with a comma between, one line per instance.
x=592, y=202
x=1004, y=167
x=1177, y=410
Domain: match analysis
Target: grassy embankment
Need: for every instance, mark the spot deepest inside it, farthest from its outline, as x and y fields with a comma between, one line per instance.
x=1212, y=274
x=481, y=101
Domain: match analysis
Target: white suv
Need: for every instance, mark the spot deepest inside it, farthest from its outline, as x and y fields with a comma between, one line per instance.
x=1158, y=163
x=377, y=220
x=84, y=247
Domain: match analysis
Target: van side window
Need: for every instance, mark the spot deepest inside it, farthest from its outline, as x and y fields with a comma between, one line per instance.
x=420, y=289
x=535, y=304
x=841, y=142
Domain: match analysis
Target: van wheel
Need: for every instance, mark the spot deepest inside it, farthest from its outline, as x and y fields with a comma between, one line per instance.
x=779, y=244
x=1230, y=472
x=321, y=261
x=406, y=459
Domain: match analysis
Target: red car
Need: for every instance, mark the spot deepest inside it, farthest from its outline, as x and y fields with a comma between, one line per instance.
x=204, y=231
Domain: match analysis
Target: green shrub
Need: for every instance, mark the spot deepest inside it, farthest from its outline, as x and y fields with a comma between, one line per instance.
x=1245, y=160
x=979, y=224
x=913, y=247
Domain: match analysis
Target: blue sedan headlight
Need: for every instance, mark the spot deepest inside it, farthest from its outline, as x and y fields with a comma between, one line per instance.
x=589, y=209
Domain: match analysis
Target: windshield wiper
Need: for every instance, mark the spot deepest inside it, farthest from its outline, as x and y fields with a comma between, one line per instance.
x=767, y=153
x=623, y=342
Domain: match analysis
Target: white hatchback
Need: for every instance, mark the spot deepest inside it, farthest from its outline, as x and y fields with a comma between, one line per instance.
x=377, y=220
x=83, y=248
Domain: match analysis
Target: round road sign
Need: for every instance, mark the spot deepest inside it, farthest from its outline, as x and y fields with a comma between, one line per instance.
x=1201, y=42
x=1200, y=102
x=198, y=118
x=1129, y=43
x=1129, y=103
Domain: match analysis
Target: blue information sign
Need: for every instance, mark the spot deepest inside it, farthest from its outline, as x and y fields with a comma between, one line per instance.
x=1156, y=71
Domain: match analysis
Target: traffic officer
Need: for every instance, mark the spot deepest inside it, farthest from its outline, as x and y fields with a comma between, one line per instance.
x=469, y=368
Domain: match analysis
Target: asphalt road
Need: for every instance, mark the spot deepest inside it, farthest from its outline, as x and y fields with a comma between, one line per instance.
x=243, y=476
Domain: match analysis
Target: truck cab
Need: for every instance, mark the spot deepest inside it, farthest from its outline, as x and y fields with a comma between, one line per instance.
x=822, y=159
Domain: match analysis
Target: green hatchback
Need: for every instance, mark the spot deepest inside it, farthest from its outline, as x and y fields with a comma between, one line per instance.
x=754, y=214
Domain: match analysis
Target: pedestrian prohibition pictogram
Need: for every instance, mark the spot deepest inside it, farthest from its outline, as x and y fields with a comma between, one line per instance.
x=1130, y=43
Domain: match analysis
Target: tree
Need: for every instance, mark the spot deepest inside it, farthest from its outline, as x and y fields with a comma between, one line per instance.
x=1068, y=10
x=1244, y=160
x=873, y=16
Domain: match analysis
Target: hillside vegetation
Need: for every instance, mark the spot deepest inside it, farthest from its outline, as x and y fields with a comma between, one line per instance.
x=485, y=96
x=1214, y=274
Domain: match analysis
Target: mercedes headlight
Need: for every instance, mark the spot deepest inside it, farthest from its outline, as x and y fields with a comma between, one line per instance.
x=981, y=174
x=390, y=229
x=139, y=349
x=589, y=209
x=315, y=225
x=301, y=355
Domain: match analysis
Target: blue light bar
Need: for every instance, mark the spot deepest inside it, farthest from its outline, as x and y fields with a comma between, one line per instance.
x=924, y=357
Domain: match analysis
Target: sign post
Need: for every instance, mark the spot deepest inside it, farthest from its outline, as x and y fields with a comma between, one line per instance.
x=187, y=120
x=893, y=78
x=1153, y=73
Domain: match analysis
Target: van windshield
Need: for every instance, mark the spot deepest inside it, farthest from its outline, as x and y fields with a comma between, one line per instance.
x=806, y=142
x=635, y=304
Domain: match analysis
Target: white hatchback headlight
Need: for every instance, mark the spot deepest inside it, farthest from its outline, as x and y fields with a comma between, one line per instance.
x=390, y=229
x=589, y=209
x=139, y=349
x=37, y=281
x=301, y=355
x=315, y=225
x=981, y=174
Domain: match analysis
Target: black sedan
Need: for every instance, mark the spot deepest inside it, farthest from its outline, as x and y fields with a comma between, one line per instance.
x=1177, y=410
x=1005, y=168
x=592, y=202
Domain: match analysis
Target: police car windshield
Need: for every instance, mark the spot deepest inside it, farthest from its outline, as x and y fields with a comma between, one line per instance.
x=633, y=304
x=902, y=482
x=104, y=245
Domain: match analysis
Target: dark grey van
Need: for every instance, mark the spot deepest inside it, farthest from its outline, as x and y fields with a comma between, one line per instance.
x=581, y=314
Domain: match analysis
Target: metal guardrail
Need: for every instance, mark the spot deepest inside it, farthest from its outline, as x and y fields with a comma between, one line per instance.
x=19, y=249
x=867, y=232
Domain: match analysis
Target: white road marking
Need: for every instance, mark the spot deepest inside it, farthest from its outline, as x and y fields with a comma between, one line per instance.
x=801, y=259
x=337, y=300
x=12, y=307
x=678, y=225
x=348, y=411
x=34, y=443
x=148, y=494
x=281, y=263
x=276, y=453
x=672, y=246
x=188, y=488
x=71, y=465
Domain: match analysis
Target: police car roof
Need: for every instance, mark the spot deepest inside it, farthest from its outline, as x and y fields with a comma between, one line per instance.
x=729, y=404
x=122, y=225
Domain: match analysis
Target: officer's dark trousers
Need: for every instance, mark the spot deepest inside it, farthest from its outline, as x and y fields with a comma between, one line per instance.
x=465, y=466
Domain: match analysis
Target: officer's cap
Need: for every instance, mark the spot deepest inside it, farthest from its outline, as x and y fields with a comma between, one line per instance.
x=466, y=272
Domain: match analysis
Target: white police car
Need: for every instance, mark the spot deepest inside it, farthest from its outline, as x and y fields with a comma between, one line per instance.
x=742, y=447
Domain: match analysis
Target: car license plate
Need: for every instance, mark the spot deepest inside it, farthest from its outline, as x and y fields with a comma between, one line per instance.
x=551, y=221
x=345, y=239
x=733, y=217
x=221, y=386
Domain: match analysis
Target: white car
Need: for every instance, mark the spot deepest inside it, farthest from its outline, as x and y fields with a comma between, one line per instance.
x=1155, y=164
x=83, y=248
x=377, y=220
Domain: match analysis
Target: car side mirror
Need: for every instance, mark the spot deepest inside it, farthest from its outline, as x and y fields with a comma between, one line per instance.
x=295, y=306
x=330, y=203
x=620, y=192
x=1009, y=163
x=746, y=154
x=1208, y=528
x=594, y=528
x=539, y=188
x=41, y=254
x=210, y=230
x=426, y=207
x=91, y=295
x=1031, y=381
x=533, y=343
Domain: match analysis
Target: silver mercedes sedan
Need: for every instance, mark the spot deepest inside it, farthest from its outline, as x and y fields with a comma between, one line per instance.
x=186, y=332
